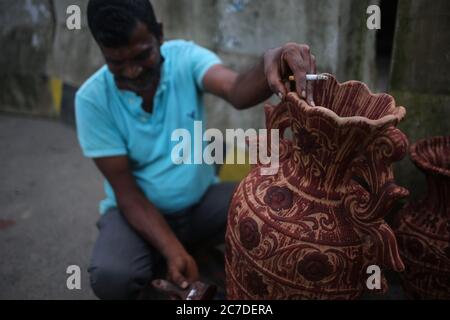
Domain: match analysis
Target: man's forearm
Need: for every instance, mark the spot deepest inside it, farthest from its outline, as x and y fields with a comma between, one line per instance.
x=143, y=216
x=146, y=219
x=250, y=87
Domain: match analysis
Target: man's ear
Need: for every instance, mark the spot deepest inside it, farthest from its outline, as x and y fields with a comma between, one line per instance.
x=161, y=33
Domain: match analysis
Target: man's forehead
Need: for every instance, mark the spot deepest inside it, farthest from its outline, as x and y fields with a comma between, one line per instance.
x=140, y=40
x=129, y=50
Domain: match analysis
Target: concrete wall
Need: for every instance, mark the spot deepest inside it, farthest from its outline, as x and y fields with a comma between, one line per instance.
x=39, y=54
x=37, y=48
x=74, y=55
x=241, y=30
x=420, y=76
x=26, y=34
x=238, y=30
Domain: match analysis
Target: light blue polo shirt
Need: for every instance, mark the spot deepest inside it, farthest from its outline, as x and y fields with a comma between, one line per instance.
x=111, y=122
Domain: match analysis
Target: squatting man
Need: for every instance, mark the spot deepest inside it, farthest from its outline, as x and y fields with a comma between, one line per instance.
x=155, y=210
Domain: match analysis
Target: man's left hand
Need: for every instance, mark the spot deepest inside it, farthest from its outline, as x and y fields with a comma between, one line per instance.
x=291, y=59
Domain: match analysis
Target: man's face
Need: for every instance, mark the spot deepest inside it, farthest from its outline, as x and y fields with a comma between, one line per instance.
x=136, y=66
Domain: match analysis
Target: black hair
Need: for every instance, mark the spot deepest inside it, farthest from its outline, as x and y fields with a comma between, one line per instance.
x=112, y=21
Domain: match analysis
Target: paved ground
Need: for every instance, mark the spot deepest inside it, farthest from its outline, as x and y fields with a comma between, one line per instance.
x=48, y=208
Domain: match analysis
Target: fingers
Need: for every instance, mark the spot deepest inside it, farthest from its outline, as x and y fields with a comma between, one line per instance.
x=176, y=276
x=300, y=62
x=306, y=67
x=300, y=67
x=310, y=84
x=183, y=271
x=300, y=82
x=285, y=72
x=272, y=72
x=294, y=59
x=276, y=84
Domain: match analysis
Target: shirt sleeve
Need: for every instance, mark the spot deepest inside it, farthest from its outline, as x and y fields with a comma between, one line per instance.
x=201, y=60
x=97, y=134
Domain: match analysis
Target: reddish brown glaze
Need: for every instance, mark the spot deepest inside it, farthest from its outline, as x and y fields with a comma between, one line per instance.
x=310, y=230
x=423, y=227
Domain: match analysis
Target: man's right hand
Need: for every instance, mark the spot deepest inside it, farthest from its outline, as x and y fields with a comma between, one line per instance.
x=182, y=269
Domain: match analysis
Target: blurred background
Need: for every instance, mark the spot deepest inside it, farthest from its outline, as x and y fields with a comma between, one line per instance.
x=49, y=193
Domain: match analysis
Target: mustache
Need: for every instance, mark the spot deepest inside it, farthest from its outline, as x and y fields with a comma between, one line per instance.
x=147, y=72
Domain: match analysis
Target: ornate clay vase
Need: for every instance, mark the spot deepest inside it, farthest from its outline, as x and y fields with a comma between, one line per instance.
x=310, y=230
x=423, y=227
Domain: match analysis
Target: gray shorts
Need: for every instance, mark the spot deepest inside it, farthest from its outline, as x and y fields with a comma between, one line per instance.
x=123, y=263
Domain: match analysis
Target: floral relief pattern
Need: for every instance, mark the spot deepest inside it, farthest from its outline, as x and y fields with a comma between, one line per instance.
x=422, y=225
x=307, y=142
x=315, y=266
x=249, y=233
x=278, y=198
x=307, y=231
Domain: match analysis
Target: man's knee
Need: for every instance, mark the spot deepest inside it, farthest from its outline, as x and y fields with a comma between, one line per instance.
x=119, y=282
